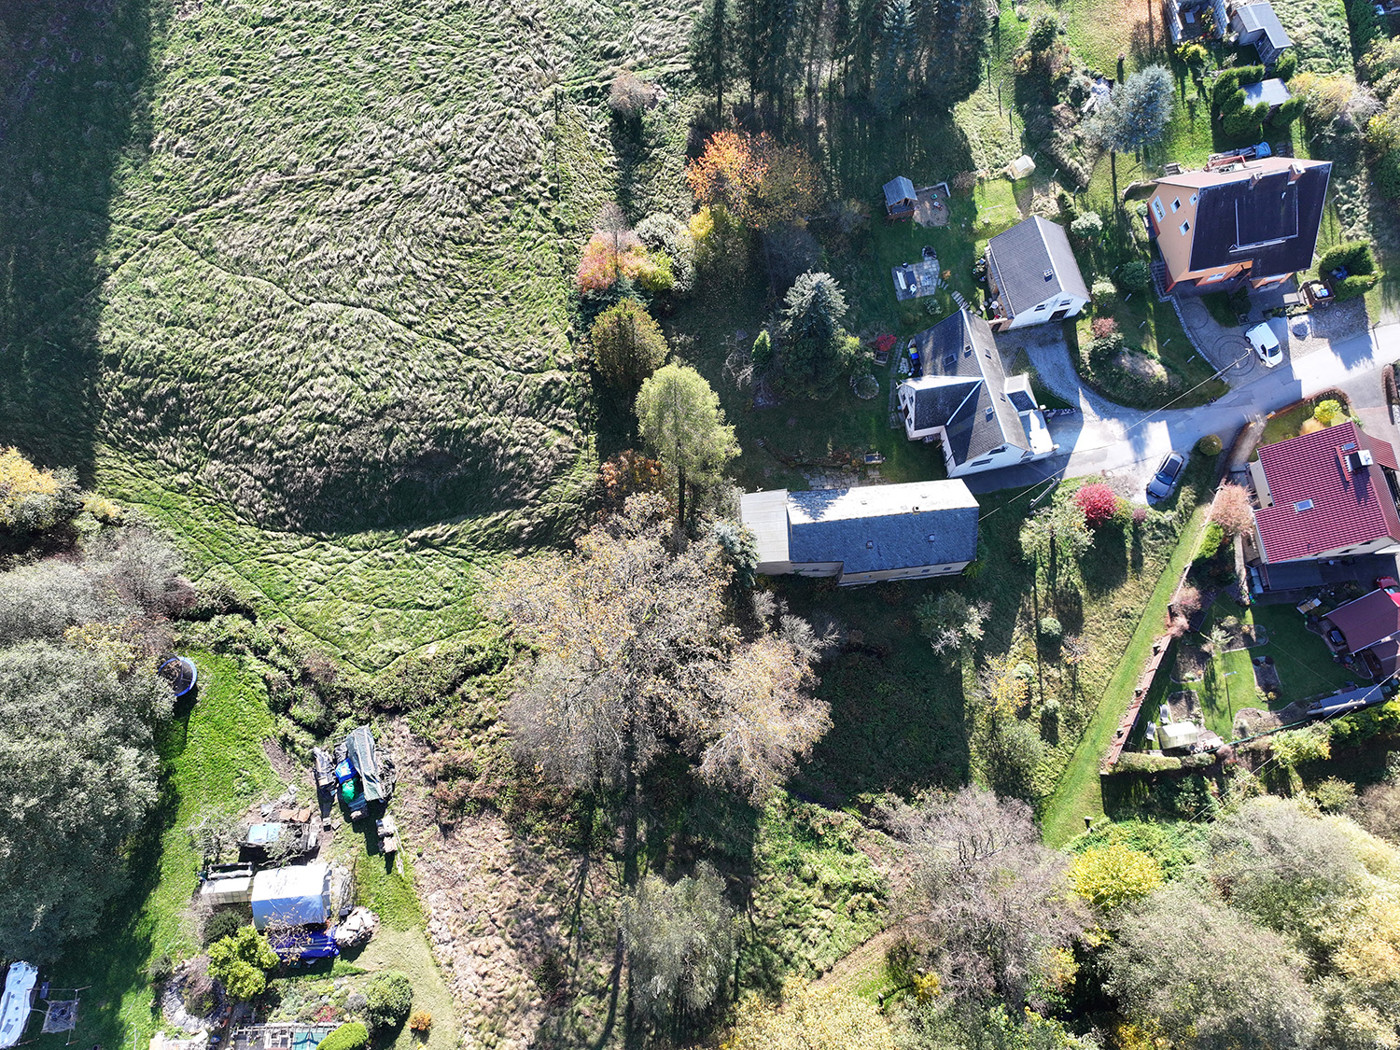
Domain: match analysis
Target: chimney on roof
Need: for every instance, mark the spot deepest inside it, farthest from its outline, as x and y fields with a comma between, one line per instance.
x=1358, y=460
x=1295, y=172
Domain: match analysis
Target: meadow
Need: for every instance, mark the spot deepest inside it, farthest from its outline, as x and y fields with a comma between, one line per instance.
x=296, y=279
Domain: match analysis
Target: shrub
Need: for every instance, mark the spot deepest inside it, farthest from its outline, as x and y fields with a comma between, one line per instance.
x=32, y=500
x=1088, y=227
x=1353, y=287
x=1042, y=32
x=350, y=1036
x=1287, y=65
x=420, y=1021
x=762, y=355
x=388, y=999
x=1135, y=276
x=1051, y=630
x=1104, y=294
x=1355, y=256
x=1209, y=445
x=1103, y=327
x=220, y=925
x=630, y=95
x=160, y=970
x=1137, y=762
x=1210, y=542
x=1192, y=53
x=198, y=995
x=240, y=963
x=1334, y=794
x=1098, y=502
x=1329, y=413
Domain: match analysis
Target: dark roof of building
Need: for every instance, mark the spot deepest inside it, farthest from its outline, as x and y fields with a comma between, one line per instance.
x=881, y=527
x=1267, y=211
x=1324, y=498
x=1272, y=91
x=1260, y=15
x=898, y=190
x=1369, y=619
x=1033, y=262
x=963, y=388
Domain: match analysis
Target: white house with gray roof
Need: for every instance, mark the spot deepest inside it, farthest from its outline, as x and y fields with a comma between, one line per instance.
x=864, y=535
x=1032, y=275
x=964, y=400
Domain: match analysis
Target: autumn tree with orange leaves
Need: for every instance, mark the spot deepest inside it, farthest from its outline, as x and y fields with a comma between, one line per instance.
x=762, y=182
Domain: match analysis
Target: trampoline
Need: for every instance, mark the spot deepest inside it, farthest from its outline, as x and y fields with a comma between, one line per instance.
x=179, y=671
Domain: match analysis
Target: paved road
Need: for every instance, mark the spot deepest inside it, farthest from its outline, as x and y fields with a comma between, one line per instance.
x=1127, y=444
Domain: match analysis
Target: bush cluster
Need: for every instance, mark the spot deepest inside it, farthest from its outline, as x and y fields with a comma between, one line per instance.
x=388, y=999
x=1356, y=259
x=350, y=1036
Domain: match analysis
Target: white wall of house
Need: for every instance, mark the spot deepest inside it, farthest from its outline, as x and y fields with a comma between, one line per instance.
x=920, y=572
x=1009, y=456
x=1043, y=311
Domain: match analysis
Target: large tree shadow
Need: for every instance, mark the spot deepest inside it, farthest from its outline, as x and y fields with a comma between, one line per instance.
x=866, y=149
x=74, y=111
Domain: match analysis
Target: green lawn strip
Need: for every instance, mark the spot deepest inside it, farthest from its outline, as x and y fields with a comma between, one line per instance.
x=214, y=761
x=1077, y=793
x=407, y=951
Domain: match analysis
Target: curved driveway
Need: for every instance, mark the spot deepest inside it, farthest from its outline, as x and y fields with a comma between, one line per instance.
x=1127, y=444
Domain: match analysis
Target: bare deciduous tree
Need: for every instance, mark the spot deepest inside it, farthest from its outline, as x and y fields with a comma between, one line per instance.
x=640, y=657
x=991, y=900
x=1232, y=510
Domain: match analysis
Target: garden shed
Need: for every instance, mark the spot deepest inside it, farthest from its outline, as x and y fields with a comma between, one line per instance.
x=900, y=198
x=297, y=895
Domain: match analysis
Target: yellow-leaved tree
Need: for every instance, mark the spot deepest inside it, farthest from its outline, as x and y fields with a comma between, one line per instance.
x=809, y=1018
x=1110, y=876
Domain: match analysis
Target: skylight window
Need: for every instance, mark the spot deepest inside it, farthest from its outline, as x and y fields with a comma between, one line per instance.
x=1302, y=505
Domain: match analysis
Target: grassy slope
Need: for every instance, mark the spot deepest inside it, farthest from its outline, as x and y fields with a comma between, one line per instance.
x=213, y=760
x=295, y=277
x=1077, y=793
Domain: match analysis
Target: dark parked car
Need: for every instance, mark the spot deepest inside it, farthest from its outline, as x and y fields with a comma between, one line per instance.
x=1164, y=481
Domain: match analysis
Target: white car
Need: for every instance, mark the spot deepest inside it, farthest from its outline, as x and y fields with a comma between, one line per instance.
x=1265, y=344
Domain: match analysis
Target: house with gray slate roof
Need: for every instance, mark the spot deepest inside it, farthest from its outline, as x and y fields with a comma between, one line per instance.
x=864, y=535
x=964, y=399
x=1032, y=275
x=1258, y=24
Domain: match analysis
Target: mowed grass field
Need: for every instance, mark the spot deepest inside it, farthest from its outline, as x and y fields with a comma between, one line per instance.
x=295, y=277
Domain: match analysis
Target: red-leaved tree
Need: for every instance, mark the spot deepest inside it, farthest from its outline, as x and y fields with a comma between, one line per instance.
x=1098, y=502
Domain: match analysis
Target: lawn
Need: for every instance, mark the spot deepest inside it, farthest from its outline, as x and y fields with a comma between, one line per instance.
x=212, y=760
x=1281, y=426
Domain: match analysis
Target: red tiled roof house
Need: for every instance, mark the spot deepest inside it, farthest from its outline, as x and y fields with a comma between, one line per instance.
x=1370, y=630
x=1329, y=494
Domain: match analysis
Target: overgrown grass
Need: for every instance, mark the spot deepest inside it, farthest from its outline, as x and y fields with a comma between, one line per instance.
x=307, y=268
x=213, y=761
